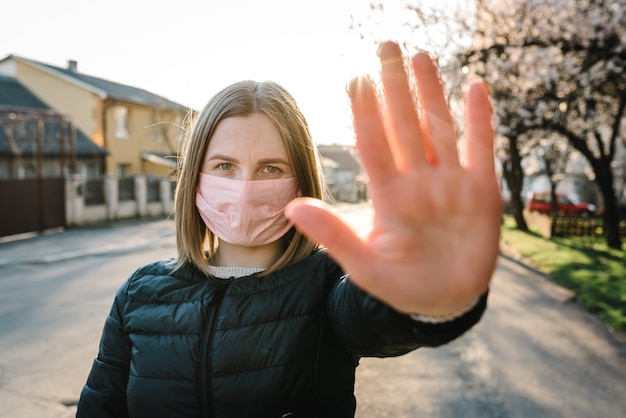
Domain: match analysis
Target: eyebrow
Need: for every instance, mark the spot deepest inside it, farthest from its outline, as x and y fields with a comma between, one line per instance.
x=261, y=161
x=273, y=161
x=221, y=157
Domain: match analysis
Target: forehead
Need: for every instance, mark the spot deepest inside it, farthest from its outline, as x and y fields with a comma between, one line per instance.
x=254, y=134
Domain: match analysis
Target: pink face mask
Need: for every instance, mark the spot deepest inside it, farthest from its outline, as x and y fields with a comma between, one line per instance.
x=248, y=213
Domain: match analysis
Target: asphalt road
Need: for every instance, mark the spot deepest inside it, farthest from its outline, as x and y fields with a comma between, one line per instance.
x=534, y=354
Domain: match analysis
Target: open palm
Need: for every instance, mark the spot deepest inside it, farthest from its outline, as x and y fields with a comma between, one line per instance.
x=434, y=241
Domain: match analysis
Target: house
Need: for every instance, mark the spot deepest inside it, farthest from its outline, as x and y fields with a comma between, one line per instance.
x=39, y=149
x=61, y=148
x=343, y=172
x=77, y=149
x=140, y=130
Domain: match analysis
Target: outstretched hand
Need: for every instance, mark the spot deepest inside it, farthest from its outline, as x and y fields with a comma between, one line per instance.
x=434, y=241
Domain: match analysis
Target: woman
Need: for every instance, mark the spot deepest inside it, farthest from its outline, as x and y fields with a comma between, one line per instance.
x=272, y=299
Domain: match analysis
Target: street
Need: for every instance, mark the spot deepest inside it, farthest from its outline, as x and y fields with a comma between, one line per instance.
x=534, y=354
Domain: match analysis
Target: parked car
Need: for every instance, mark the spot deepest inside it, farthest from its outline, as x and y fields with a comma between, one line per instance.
x=542, y=202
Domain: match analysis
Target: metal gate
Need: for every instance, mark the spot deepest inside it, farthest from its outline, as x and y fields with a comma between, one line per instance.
x=31, y=205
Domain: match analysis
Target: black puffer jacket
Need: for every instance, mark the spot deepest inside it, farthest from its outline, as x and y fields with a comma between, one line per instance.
x=179, y=344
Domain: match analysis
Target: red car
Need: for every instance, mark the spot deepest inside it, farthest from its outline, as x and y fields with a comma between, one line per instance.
x=542, y=203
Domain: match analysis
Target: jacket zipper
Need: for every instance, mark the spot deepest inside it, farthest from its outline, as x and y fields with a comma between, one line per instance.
x=206, y=405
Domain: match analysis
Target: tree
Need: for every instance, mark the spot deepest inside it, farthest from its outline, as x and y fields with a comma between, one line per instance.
x=563, y=63
x=551, y=156
x=443, y=29
x=552, y=65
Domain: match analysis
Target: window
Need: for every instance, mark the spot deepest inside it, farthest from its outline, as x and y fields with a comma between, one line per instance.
x=26, y=170
x=122, y=122
x=90, y=169
x=123, y=170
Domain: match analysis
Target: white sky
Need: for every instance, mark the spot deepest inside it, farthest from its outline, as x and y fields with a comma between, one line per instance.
x=186, y=50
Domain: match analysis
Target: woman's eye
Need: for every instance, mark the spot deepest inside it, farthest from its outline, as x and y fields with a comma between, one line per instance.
x=272, y=170
x=225, y=166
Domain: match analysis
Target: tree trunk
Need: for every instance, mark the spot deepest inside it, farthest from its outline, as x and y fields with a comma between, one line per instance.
x=514, y=177
x=555, y=208
x=610, y=218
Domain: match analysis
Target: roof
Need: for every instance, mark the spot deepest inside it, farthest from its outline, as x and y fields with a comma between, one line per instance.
x=20, y=108
x=345, y=157
x=13, y=93
x=107, y=89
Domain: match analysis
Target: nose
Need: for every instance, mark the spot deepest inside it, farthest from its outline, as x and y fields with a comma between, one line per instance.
x=246, y=175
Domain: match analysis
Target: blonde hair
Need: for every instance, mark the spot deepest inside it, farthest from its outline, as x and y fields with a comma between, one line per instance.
x=242, y=99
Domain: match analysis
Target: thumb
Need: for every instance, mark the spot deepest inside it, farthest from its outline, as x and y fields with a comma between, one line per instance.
x=318, y=222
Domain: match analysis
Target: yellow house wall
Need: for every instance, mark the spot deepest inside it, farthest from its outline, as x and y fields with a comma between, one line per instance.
x=158, y=169
x=95, y=116
x=81, y=105
x=143, y=137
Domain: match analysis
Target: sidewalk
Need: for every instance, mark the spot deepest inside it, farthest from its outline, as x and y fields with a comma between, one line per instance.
x=104, y=238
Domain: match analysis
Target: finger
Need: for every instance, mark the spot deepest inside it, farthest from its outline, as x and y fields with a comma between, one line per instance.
x=399, y=111
x=478, y=143
x=317, y=221
x=370, y=133
x=437, y=123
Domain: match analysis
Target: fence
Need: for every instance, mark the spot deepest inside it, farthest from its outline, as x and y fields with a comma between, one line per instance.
x=569, y=226
x=110, y=198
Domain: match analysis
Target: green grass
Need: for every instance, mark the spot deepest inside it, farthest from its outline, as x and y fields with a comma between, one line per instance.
x=595, y=273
